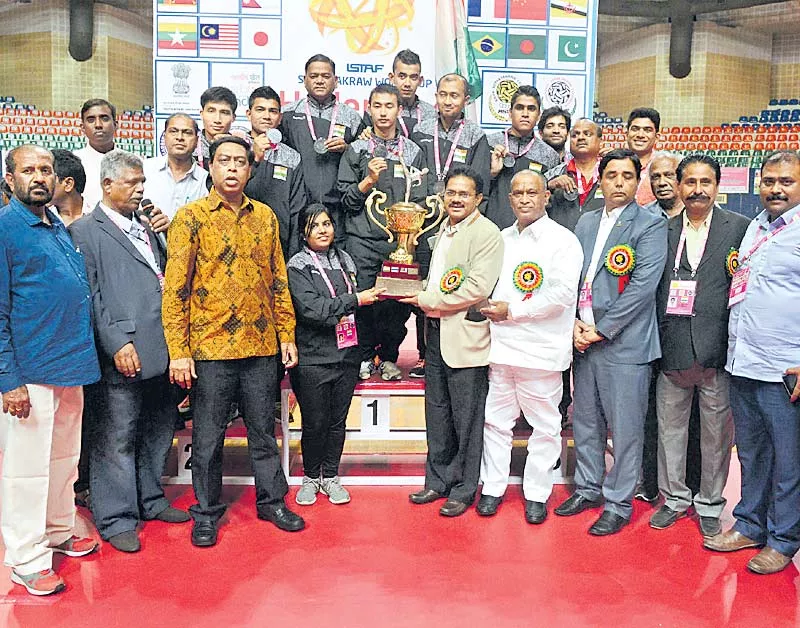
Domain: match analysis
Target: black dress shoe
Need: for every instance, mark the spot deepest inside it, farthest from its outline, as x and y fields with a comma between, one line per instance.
x=172, y=515
x=453, y=508
x=204, y=534
x=710, y=526
x=575, y=504
x=282, y=517
x=608, y=523
x=535, y=512
x=487, y=505
x=425, y=496
x=127, y=541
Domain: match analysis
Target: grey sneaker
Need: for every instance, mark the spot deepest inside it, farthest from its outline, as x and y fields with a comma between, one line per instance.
x=333, y=488
x=366, y=370
x=307, y=494
x=389, y=371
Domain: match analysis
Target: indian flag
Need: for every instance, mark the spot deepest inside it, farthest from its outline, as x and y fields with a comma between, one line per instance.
x=454, y=51
x=177, y=36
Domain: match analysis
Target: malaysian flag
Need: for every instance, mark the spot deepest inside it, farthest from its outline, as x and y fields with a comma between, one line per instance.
x=221, y=38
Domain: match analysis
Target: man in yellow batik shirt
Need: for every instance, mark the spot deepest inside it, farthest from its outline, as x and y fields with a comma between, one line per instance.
x=226, y=307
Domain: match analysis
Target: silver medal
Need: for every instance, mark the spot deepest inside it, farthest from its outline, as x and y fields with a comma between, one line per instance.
x=274, y=136
x=438, y=187
x=509, y=161
x=571, y=196
x=380, y=151
x=319, y=146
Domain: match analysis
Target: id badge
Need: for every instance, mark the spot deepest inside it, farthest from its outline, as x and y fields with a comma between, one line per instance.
x=399, y=173
x=680, y=301
x=585, y=299
x=738, y=286
x=346, y=335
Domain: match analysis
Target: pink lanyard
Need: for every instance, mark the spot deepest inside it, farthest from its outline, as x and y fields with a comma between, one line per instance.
x=768, y=236
x=582, y=189
x=522, y=152
x=403, y=122
x=311, y=124
x=325, y=276
x=679, y=252
x=398, y=153
x=440, y=174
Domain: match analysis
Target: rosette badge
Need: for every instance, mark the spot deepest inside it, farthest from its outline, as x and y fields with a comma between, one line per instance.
x=620, y=260
x=451, y=280
x=528, y=277
x=732, y=262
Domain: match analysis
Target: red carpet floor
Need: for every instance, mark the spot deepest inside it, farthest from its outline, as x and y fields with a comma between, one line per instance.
x=379, y=561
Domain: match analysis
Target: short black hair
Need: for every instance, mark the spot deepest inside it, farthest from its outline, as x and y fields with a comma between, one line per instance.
x=407, y=57
x=527, y=90
x=66, y=165
x=698, y=158
x=308, y=215
x=781, y=156
x=452, y=76
x=320, y=58
x=230, y=139
x=552, y=112
x=265, y=92
x=182, y=115
x=219, y=94
x=98, y=102
x=645, y=112
x=469, y=173
x=617, y=154
x=384, y=88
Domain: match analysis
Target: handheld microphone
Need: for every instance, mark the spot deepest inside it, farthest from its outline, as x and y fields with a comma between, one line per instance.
x=147, y=208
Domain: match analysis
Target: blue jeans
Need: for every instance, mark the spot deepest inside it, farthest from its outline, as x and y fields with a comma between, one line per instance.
x=767, y=435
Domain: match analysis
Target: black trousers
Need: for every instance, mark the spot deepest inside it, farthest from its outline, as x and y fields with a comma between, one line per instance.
x=420, y=316
x=324, y=393
x=135, y=425
x=382, y=329
x=91, y=403
x=251, y=382
x=455, y=400
x=650, y=449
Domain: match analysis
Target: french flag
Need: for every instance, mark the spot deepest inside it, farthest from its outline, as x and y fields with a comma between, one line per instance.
x=487, y=9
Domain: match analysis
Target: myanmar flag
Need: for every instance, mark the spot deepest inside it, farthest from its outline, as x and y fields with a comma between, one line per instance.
x=177, y=36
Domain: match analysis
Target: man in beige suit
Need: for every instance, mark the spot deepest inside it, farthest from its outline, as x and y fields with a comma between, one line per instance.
x=465, y=266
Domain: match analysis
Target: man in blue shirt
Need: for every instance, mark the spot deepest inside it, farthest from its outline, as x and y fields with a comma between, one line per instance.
x=46, y=355
x=762, y=348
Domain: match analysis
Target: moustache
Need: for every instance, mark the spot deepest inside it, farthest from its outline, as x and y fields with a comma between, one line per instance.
x=777, y=197
x=697, y=197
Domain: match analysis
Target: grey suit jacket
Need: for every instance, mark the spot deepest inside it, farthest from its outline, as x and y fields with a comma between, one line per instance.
x=627, y=320
x=703, y=337
x=126, y=295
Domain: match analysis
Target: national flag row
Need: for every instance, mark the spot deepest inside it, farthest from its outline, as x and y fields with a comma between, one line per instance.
x=207, y=36
x=529, y=48
x=225, y=7
x=553, y=12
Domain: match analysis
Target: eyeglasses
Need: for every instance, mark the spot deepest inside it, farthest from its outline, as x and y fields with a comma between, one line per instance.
x=225, y=160
x=462, y=195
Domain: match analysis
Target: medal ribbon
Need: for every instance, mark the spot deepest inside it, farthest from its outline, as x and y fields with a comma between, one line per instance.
x=325, y=276
x=440, y=174
x=403, y=122
x=768, y=236
x=522, y=152
x=311, y=124
x=679, y=252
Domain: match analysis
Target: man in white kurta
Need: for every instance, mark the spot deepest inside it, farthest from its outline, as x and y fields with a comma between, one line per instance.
x=532, y=312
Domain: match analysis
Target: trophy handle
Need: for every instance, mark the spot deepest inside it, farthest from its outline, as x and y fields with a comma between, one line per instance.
x=434, y=203
x=378, y=198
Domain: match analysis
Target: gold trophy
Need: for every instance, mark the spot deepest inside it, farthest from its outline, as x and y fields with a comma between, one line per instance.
x=404, y=222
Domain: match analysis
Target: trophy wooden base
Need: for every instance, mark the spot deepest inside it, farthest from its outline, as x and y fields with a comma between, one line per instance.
x=399, y=280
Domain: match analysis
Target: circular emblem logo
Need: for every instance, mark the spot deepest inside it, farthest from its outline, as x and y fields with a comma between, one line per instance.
x=620, y=260
x=500, y=97
x=528, y=277
x=451, y=280
x=732, y=262
x=561, y=94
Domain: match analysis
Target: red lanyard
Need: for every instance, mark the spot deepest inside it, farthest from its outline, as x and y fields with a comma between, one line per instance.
x=766, y=237
x=440, y=174
x=582, y=189
x=679, y=252
x=522, y=152
x=325, y=276
x=311, y=124
x=403, y=122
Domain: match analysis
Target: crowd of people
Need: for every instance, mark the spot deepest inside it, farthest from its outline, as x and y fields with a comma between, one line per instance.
x=564, y=274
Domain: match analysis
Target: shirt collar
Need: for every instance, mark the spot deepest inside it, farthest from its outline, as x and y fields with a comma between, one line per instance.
x=32, y=219
x=763, y=218
x=614, y=214
x=533, y=230
x=216, y=201
x=193, y=171
x=705, y=224
x=123, y=222
x=328, y=102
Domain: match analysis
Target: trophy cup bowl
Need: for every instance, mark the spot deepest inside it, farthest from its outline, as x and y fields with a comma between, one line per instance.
x=403, y=222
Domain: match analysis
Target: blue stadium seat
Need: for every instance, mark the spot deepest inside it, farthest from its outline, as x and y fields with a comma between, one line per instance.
x=793, y=102
x=773, y=102
x=783, y=102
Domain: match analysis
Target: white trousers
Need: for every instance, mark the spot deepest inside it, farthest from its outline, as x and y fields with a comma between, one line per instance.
x=537, y=394
x=40, y=464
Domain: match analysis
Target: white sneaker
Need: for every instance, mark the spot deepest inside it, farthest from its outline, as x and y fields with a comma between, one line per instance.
x=390, y=371
x=332, y=487
x=367, y=369
x=307, y=494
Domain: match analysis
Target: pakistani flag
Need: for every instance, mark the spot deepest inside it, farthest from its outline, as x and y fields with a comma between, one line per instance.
x=572, y=49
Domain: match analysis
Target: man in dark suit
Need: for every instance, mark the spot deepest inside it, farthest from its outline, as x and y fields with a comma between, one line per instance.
x=692, y=305
x=125, y=266
x=616, y=338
